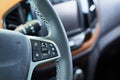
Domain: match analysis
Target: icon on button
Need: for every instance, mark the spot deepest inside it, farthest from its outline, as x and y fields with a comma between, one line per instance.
x=37, y=55
x=35, y=44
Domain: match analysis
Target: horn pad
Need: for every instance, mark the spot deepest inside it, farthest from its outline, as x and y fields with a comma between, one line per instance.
x=15, y=55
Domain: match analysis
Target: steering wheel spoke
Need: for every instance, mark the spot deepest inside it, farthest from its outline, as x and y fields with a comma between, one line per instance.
x=43, y=50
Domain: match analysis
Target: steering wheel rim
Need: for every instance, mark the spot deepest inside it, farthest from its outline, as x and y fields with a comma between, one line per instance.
x=44, y=11
x=17, y=50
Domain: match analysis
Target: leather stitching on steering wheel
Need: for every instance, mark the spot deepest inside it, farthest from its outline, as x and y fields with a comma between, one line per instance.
x=60, y=70
x=39, y=14
x=60, y=64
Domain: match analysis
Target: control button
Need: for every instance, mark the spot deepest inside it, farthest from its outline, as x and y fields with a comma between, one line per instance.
x=54, y=54
x=44, y=50
x=53, y=49
x=49, y=52
x=45, y=55
x=43, y=44
x=51, y=45
x=35, y=44
x=36, y=55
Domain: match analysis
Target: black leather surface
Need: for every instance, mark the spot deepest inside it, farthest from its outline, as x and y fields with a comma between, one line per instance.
x=14, y=56
x=56, y=33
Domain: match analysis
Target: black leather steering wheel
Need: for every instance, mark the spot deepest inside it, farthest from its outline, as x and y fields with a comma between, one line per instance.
x=20, y=54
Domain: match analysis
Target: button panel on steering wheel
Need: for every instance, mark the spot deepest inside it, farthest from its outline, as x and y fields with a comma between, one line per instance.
x=42, y=50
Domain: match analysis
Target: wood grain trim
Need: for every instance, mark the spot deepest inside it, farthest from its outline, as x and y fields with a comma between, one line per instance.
x=88, y=43
x=5, y=5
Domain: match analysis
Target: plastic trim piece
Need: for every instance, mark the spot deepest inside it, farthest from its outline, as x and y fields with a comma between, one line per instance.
x=34, y=64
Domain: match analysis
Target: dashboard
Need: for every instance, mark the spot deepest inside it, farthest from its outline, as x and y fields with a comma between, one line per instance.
x=75, y=20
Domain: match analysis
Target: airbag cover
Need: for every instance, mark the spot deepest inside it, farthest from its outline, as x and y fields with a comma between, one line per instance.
x=15, y=51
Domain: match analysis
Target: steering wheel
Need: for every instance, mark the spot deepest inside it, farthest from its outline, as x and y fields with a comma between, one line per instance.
x=20, y=54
